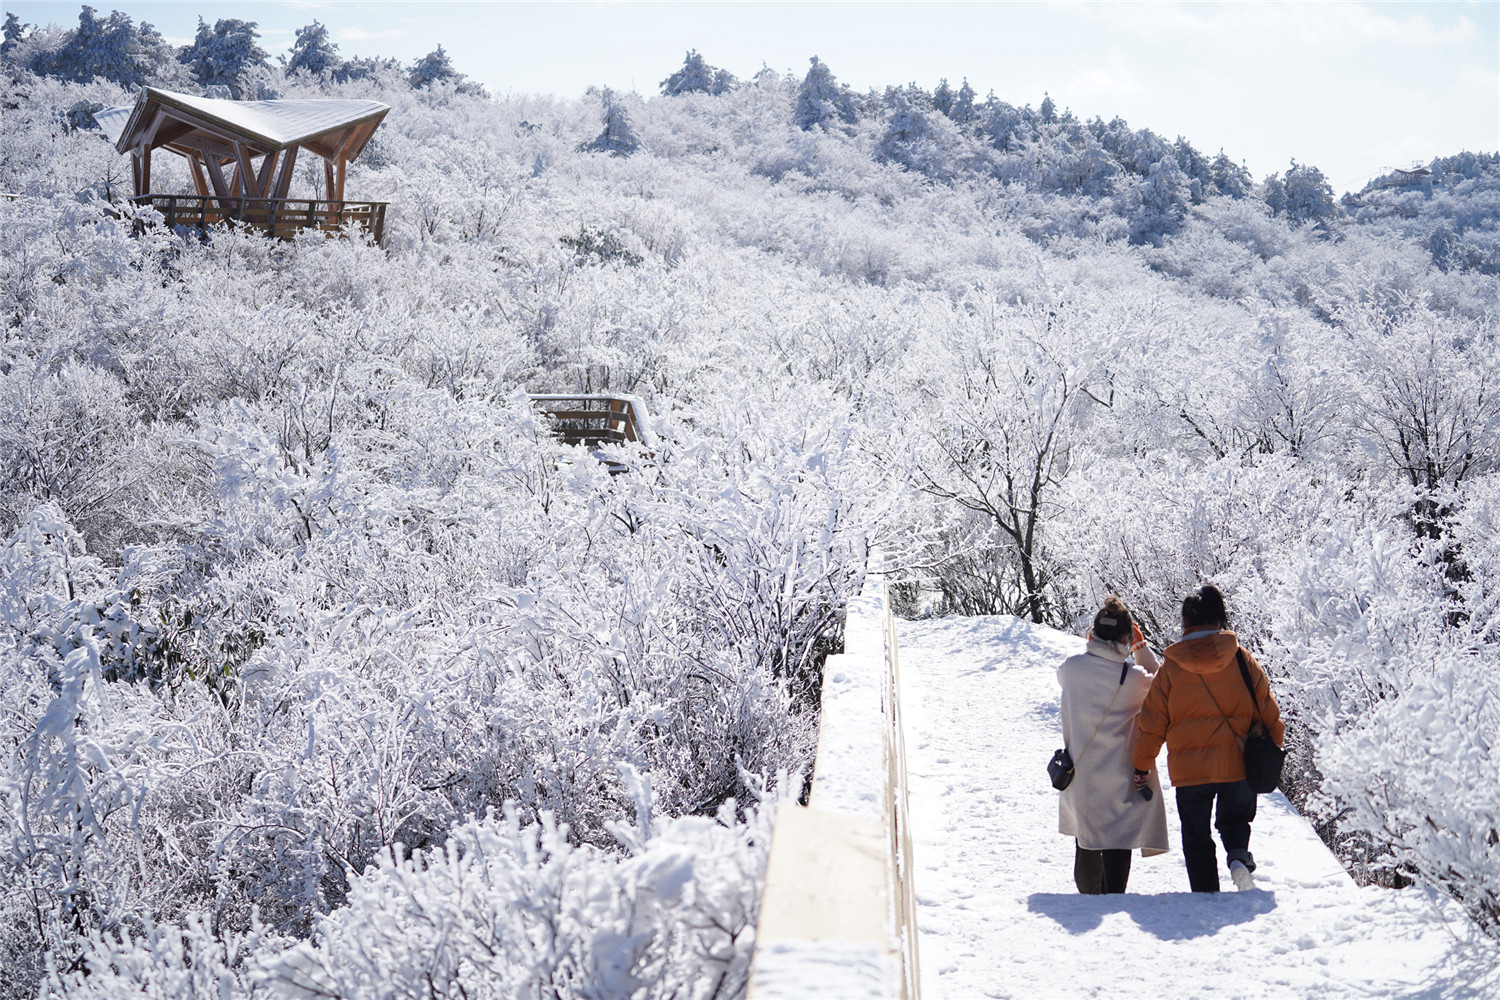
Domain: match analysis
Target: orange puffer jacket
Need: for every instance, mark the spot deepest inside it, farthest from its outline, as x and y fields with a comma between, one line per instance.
x=1180, y=710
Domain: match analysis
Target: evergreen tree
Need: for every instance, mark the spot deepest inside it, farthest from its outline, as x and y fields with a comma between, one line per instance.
x=943, y=98
x=220, y=56
x=15, y=31
x=363, y=68
x=1231, y=179
x=1048, y=109
x=618, y=137
x=963, y=105
x=1308, y=194
x=697, y=77
x=434, y=67
x=1158, y=204
x=312, y=52
x=112, y=48
x=820, y=99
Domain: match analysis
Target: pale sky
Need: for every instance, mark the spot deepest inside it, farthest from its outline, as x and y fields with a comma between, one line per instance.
x=1348, y=87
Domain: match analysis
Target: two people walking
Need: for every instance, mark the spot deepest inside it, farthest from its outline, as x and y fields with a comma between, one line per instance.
x=1118, y=708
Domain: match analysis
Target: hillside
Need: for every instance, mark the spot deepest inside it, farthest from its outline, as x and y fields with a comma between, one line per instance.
x=294, y=581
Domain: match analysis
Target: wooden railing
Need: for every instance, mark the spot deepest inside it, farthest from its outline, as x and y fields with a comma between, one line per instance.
x=839, y=908
x=592, y=420
x=282, y=218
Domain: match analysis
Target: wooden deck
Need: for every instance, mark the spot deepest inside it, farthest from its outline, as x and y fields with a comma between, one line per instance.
x=282, y=218
x=594, y=420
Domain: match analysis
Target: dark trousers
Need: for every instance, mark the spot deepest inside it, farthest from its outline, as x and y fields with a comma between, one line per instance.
x=1235, y=812
x=1097, y=872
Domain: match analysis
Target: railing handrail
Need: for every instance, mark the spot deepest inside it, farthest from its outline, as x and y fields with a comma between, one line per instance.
x=618, y=409
x=840, y=870
x=153, y=198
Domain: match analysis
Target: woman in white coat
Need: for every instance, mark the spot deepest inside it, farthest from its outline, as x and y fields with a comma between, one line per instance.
x=1102, y=692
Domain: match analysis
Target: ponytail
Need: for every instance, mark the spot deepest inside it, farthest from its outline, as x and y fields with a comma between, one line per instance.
x=1205, y=609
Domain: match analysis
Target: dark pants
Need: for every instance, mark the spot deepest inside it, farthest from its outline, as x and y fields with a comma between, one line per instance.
x=1096, y=872
x=1235, y=812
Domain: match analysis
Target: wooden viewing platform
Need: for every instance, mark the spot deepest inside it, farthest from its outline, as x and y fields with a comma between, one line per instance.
x=242, y=157
x=592, y=420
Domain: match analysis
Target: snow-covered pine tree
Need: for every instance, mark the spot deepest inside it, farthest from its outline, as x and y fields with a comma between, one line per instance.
x=1308, y=195
x=697, y=77
x=112, y=48
x=618, y=137
x=1230, y=178
x=1158, y=204
x=963, y=105
x=222, y=55
x=943, y=97
x=434, y=67
x=313, y=52
x=821, y=100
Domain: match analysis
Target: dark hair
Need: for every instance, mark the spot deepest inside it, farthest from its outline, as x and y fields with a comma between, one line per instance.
x=1205, y=608
x=1113, y=621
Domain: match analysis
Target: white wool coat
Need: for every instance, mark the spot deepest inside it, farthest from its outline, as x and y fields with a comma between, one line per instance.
x=1100, y=808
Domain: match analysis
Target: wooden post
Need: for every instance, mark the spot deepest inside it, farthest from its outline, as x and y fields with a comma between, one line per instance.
x=145, y=183
x=200, y=182
x=284, y=175
x=328, y=187
x=267, y=170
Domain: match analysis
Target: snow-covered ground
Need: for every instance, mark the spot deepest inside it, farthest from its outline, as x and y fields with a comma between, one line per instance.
x=998, y=913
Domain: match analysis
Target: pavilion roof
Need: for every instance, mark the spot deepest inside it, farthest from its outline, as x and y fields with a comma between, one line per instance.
x=330, y=128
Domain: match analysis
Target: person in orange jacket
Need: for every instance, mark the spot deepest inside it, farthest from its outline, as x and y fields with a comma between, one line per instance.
x=1200, y=707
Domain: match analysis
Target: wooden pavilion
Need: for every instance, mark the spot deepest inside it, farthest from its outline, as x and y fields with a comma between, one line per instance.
x=242, y=154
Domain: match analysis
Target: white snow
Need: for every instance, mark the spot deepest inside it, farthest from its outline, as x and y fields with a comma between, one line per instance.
x=997, y=909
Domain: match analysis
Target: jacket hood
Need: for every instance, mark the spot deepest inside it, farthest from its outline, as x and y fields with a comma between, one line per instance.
x=1205, y=655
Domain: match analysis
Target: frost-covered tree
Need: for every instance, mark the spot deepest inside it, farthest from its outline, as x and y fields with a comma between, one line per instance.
x=618, y=137
x=1048, y=110
x=1159, y=202
x=221, y=56
x=1230, y=178
x=918, y=139
x=943, y=98
x=963, y=105
x=821, y=99
x=112, y=48
x=15, y=31
x=434, y=67
x=313, y=52
x=1309, y=197
x=697, y=77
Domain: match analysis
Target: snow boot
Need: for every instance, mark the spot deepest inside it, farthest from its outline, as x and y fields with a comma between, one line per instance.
x=1241, y=875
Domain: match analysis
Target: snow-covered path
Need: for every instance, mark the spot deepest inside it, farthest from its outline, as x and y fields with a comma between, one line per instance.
x=997, y=910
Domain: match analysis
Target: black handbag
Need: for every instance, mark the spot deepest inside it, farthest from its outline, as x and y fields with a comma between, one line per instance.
x=1060, y=769
x=1263, y=758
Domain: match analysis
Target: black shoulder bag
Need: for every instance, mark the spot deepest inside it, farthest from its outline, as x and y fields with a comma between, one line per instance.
x=1263, y=758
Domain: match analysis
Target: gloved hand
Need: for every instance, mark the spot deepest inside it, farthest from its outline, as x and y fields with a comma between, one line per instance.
x=1137, y=640
x=1140, y=780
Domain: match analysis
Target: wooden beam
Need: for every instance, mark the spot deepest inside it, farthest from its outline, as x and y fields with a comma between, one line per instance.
x=145, y=171
x=245, y=175
x=200, y=182
x=221, y=186
x=267, y=170
x=328, y=180
x=343, y=167
x=135, y=172
x=284, y=175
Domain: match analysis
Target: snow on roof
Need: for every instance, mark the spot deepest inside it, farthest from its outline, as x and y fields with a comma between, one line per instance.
x=264, y=125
